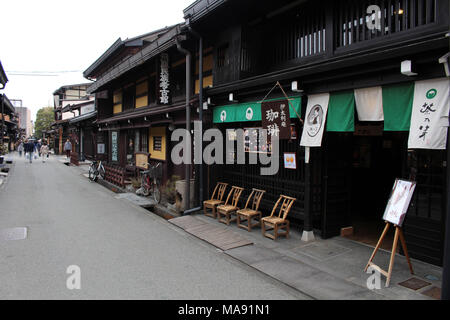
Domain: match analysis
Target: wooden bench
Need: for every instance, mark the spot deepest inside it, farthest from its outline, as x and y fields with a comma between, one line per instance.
x=229, y=208
x=209, y=206
x=277, y=222
x=250, y=212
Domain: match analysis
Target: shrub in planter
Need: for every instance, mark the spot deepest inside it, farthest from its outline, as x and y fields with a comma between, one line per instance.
x=136, y=183
x=169, y=191
x=3, y=149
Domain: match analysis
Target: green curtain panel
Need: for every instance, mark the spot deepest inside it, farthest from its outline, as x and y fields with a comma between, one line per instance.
x=341, y=112
x=397, y=106
x=250, y=111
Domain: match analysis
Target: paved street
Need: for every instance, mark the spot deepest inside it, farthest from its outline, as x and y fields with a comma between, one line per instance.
x=124, y=251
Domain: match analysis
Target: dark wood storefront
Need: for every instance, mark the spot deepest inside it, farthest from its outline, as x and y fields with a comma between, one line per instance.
x=358, y=176
x=327, y=47
x=285, y=181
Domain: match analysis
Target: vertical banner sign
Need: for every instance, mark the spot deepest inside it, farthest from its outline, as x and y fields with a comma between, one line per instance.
x=429, y=119
x=275, y=118
x=316, y=113
x=114, y=147
x=164, y=80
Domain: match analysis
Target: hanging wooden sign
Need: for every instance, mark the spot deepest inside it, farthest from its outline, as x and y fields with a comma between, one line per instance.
x=275, y=118
x=394, y=214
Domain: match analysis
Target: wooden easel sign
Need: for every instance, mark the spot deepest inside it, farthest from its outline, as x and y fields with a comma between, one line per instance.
x=394, y=214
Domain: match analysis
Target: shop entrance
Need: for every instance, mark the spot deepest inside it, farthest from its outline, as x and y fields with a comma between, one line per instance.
x=377, y=160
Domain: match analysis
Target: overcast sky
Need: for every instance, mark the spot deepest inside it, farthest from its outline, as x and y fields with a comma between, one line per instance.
x=46, y=44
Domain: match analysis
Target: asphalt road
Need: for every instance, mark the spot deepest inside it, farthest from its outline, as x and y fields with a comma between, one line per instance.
x=123, y=251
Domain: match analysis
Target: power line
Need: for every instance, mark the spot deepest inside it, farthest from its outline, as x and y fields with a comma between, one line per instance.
x=32, y=75
x=41, y=73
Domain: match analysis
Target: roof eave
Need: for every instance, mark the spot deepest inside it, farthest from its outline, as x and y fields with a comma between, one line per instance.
x=201, y=8
x=97, y=63
x=3, y=77
x=160, y=45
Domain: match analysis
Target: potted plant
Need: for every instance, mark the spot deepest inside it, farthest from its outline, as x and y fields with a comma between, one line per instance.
x=3, y=151
x=169, y=191
x=136, y=183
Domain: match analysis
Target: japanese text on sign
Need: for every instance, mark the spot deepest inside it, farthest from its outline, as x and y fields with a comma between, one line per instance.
x=164, y=79
x=275, y=118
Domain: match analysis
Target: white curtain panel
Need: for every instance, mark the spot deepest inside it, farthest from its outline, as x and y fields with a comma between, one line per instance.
x=429, y=118
x=369, y=104
x=316, y=114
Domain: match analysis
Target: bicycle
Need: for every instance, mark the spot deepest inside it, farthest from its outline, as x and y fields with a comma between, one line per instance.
x=95, y=170
x=151, y=182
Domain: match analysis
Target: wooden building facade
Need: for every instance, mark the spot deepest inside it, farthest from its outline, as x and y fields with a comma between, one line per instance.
x=333, y=47
x=140, y=88
x=9, y=123
x=67, y=102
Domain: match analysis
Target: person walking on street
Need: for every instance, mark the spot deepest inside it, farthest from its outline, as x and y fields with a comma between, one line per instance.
x=29, y=149
x=25, y=148
x=68, y=148
x=38, y=147
x=20, y=148
x=44, y=151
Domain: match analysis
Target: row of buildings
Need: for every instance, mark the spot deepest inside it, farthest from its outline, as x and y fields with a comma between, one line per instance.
x=9, y=119
x=351, y=71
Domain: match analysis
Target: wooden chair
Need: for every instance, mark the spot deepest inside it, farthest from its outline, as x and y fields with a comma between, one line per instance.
x=279, y=221
x=229, y=208
x=215, y=200
x=248, y=213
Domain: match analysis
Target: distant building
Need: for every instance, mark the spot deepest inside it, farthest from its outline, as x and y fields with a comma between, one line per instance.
x=25, y=125
x=67, y=103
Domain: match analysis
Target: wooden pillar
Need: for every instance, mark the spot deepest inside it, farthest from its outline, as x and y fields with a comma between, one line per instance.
x=445, y=294
x=308, y=234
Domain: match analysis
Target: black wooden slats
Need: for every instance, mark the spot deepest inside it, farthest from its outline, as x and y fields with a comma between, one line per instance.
x=288, y=182
x=424, y=222
x=395, y=16
x=300, y=33
x=420, y=11
x=412, y=14
x=430, y=11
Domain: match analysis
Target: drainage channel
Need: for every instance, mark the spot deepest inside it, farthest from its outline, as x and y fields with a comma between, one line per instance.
x=163, y=214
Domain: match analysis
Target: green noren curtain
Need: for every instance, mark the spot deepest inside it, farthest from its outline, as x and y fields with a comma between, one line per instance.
x=397, y=106
x=341, y=112
x=250, y=111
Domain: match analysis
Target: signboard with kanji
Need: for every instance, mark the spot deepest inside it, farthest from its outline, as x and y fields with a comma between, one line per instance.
x=275, y=119
x=164, y=79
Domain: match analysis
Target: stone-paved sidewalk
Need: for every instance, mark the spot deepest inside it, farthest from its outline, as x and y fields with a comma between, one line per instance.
x=329, y=269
